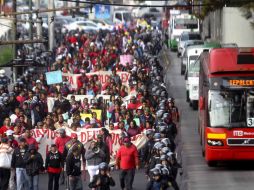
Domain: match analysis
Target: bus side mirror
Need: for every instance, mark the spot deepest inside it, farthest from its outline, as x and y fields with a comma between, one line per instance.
x=201, y=103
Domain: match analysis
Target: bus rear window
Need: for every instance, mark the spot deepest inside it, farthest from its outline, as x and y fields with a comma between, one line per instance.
x=245, y=59
x=186, y=23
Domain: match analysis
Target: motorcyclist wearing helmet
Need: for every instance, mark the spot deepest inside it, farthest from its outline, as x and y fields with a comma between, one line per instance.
x=103, y=180
x=157, y=182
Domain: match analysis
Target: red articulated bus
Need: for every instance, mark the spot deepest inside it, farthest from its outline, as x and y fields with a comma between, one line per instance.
x=226, y=104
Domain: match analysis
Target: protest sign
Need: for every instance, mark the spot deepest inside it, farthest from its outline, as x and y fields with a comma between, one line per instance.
x=124, y=59
x=54, y=77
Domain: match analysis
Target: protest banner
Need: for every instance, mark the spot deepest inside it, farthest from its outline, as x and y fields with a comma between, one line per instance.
x=90, y=98
x=54, y=77
x=105, y=75
x=72, y=79
x=124, y=59
x=47, y=137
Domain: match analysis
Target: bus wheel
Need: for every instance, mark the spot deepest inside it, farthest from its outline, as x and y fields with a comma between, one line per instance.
x=212, y=163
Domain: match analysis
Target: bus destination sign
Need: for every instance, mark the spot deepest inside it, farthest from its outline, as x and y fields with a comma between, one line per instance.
x=240, y=83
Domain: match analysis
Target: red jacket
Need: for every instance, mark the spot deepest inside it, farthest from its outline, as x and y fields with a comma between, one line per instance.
x=60, y=143
x=127, y=157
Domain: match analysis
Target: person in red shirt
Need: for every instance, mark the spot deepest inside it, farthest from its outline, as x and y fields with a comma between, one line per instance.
x=133, y=105
x=127, y=160
x=60, y=143
x=62, y=140
x=29, y=139
x=6, y=126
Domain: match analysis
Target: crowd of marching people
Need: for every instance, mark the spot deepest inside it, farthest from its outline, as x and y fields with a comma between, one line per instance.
x=148, y=110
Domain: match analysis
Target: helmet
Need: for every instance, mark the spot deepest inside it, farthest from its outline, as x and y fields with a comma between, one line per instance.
x=5, y=95
x=149, y=132
x=166, y=141
x=159, y=166
x=103, y=166
x=155, y=171
x=157, y=136
x=160, y=113
x=163, y=129
x=158, y=145
x=164, y=171
x=165, y=150
x=163, y=157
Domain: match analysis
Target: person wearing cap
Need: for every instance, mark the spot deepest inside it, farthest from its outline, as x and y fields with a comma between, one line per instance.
x=127, y=160
x=60, y=143
x=11, y=140
x=54, y=165
x=6, y=151
x=34, y=164
x=18, y=163
x=103, y=180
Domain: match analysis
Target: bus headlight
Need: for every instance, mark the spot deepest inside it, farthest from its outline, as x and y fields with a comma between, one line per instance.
x=215, y=142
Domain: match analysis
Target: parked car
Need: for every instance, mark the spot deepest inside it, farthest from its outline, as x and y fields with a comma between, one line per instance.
x=104, y=24
x=81, y=25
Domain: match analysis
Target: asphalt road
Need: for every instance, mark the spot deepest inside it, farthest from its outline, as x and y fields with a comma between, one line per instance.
x=197, y=175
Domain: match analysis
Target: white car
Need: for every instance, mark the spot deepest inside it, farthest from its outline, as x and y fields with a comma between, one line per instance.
x=103, y=24
x=81, y=25
x=185, y=36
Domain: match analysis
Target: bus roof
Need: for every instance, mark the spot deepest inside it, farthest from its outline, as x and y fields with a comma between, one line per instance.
x=230, y=60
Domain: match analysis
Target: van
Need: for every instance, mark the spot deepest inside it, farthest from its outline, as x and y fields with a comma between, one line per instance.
x=121, y=16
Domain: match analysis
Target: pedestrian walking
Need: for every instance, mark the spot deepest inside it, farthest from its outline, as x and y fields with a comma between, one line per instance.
x=34, y=164
x=60, y=142
x=54, y=165
x=18, y=163
x=6, y=152
x=127, y=160
x=94, y=156
x=73, y=170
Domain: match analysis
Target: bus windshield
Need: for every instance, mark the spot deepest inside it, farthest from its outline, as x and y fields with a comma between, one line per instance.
x=228, y=108
x=183, y=23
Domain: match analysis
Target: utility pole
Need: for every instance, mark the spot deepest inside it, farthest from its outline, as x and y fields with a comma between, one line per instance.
x=14, y=71
x=30, y=23
x=39, y=20
x=51, y=25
